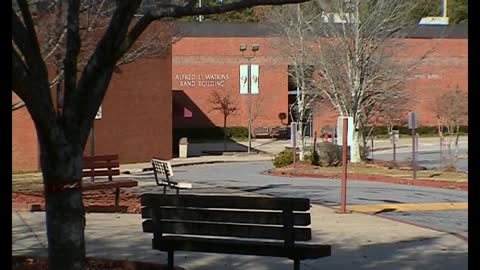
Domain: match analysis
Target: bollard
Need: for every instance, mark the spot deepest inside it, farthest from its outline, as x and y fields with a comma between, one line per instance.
x=183, y=147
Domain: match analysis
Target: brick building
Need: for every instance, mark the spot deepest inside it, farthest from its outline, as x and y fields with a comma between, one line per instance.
x=136, y=119
x=212, y=50
x=149, y=97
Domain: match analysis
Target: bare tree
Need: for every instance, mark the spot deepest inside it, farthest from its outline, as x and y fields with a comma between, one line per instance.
x=257, y=107
x=226, y=104
x=451, y=110
x=62, y=136
x=295, y=23
x=388, y=110
x=356, y=66
x=94, y=16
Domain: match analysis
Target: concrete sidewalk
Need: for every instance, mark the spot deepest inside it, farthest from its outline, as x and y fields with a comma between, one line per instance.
x=359, y=241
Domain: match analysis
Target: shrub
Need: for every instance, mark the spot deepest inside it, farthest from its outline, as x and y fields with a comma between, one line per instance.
x=237, y=132
x=312, y=158
x=426, y=130
x=283, y=158
x=329, y=154
x=364, y=151
x=380, y=131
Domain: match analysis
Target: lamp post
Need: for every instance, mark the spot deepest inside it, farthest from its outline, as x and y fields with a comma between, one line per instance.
x=255, y=48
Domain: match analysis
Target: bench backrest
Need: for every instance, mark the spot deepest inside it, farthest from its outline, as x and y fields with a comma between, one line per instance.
x=262, y=130
x=230, y=216
x=101, y=165
x=162, y=166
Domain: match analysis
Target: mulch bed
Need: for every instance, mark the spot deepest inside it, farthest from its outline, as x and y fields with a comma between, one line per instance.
x=41, y=263
x=303, y=169
x=93, y=201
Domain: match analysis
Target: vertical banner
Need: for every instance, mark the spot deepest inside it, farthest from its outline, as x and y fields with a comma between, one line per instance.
x=254, y=78
x=243, y=79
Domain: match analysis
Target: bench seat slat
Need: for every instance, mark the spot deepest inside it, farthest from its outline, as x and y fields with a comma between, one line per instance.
x=88, y=173
x=234, y=202
x=223, y=229
x=252, y=217
x=95, y=165
x=109, y=184
x=100, y=158
x=233, y=246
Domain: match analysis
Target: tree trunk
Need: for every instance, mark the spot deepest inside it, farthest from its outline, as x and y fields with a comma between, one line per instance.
x=301, y=136
x=355, y=156
x=65, y=216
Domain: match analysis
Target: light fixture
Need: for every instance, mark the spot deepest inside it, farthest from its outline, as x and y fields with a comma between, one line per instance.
x=243, y=47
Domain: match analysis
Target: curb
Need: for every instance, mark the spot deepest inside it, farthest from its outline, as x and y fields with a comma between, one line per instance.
x=384, y=179
x=137, y=170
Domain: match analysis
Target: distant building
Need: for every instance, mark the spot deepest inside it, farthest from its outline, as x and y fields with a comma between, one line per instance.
x=151, y=97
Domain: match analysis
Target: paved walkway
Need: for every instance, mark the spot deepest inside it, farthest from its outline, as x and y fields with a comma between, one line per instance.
x=358, y=242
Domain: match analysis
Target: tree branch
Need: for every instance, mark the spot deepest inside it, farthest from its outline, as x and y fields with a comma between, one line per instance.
x=190, y=10
x=73, y=46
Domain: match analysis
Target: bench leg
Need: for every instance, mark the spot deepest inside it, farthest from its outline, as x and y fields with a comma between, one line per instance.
x=177, y=190
x=164, y=189
x=170, y=260
x=117, y=198
x=296, y=264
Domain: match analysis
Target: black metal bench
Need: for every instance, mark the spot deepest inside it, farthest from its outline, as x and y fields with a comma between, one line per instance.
x=162, y=170
x=104, y=165
x=227, y=224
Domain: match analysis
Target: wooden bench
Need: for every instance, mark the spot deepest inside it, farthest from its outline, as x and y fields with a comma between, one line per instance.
x=107, y=166
x=261, y=132
x=162, y=170
x=207, y=218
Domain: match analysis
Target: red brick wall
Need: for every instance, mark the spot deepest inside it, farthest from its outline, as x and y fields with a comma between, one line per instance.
x=136, y=121
x=445, y=67
x=137, y=113
x=24, y=140
x=201, y=56
x=441, y=71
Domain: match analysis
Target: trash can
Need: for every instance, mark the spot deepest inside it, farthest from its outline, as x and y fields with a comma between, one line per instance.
x=183, y=147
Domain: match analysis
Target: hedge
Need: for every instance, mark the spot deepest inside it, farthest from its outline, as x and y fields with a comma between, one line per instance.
x=421, y=130
x=210, y=133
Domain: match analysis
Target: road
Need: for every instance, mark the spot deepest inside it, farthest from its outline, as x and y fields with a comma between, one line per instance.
x=441, y=209
x=428, y=153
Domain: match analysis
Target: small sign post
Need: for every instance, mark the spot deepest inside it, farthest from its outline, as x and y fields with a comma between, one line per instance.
x=412, y=124
x=343, y=194
x=394, y=139
x=98, y=116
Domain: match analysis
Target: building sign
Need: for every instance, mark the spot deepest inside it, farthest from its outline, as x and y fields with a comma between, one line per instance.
x=420, y=76
x=254, y=75
x=202, y=80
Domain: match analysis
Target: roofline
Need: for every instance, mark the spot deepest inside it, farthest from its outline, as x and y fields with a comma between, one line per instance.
x=249, y=29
